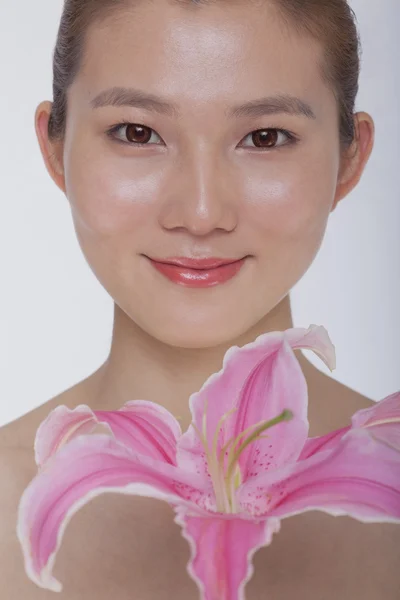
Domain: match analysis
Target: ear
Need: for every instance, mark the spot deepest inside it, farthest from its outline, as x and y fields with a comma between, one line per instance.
x=355, y=159
x=52, y=151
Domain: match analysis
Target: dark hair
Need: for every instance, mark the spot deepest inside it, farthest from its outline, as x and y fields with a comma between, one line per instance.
x=331, y=22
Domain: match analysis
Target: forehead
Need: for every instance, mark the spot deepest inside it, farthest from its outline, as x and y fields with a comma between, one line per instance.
x=218, y=53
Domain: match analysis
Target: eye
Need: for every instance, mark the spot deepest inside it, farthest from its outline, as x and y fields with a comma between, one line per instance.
x=132, y=130
x=268, y=138
x=140, y=135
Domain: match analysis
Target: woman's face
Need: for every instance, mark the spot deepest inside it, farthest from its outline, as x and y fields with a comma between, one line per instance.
x=202, y=185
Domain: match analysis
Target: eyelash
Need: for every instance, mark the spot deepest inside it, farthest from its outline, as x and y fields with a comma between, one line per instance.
x=292, y=139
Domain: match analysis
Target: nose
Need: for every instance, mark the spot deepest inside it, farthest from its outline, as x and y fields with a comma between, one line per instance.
x=201, y=198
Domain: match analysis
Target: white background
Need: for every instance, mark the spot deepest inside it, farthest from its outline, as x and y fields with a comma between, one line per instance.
x=55, y=317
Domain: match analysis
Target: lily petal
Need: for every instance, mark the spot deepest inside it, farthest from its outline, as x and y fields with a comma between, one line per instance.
x=84, y=468
x=384, y=417
x=387, y=409
x=315, y=338
x=144, y=426
x=328, y=441
x=222, y=550
x=259, y=381
x=359, y=478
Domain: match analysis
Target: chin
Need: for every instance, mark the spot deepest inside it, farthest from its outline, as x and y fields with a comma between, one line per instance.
x=197, y=335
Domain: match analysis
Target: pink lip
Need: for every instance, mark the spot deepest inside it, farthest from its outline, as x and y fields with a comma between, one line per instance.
x=197, y=263
x=195, y=277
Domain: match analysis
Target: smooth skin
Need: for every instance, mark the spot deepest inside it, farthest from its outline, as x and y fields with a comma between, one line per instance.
x=200, y=187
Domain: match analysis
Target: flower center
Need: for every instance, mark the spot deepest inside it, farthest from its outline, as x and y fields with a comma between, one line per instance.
x=223, y=465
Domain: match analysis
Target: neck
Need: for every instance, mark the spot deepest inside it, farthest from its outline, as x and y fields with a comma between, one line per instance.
x=140, y=367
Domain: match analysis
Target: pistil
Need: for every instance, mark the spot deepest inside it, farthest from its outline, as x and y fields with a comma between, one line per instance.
x=226, y=480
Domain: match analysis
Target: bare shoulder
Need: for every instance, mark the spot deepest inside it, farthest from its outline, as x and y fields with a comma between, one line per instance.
x=17, y=469
x=331, y=404
x=20, y=433
x=17, y=461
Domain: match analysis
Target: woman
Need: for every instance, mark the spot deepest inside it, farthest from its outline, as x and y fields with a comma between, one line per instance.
x=159, y=139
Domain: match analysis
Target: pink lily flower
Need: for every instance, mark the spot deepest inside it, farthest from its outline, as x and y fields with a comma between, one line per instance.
x=244, y=463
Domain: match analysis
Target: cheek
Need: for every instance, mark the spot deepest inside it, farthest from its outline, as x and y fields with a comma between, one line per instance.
x=110, y=197
x=292, y=205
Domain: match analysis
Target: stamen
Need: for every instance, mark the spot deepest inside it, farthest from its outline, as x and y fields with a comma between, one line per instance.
x=201, y=438
x=226, y=482
x=231, y=484
x=237, y=477
x=213, y=472
x=205, y=419
x=219, y=427
x=236, y=441
x=286, y=415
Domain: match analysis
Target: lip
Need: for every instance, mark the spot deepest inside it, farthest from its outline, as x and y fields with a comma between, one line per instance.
x=197, y=263
x=199, y=278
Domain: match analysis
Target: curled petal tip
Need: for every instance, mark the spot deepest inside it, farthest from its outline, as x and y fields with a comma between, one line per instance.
x=322, y=345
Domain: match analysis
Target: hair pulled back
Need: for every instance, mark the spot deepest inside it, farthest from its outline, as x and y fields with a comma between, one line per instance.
x=332, y=23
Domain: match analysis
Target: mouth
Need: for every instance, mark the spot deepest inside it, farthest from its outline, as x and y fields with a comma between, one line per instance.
x=220, y=272
x=204, y=264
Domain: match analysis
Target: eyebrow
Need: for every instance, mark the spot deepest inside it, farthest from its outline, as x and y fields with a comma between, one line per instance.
x=280, y=103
